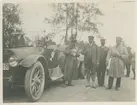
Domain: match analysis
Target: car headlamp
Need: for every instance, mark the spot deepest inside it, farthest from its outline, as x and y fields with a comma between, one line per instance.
x=13, y=61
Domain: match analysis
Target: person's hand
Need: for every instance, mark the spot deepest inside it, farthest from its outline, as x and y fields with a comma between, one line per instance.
x=74, y=54
x=52, y=54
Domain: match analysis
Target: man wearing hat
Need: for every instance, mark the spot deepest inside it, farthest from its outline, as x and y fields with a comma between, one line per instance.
x=128, y=61
x=14, y=39
x=117, y=54
x=102, y=63
x=91, y=60
x=21, y=40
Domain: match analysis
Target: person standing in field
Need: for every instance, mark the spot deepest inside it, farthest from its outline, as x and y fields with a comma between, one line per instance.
x=118, y=54
x=128, y=62
x=102, y=63
x=133, y=65
x=70, y=62
x=91, y=61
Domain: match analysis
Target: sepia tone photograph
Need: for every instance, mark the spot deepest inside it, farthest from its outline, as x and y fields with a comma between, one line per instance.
x=68, y=51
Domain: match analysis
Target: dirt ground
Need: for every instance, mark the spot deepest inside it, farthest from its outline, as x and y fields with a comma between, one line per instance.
x=79, y=93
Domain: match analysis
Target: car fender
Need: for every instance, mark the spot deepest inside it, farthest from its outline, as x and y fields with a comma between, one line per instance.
x=31, y=59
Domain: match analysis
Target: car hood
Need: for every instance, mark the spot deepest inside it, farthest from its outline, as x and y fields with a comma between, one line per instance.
x=23, y=52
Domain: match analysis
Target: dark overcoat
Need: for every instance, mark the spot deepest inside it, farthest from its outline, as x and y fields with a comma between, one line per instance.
x=92, y=55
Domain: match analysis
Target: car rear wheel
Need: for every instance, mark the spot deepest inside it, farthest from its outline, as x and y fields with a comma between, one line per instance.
x=35, y=81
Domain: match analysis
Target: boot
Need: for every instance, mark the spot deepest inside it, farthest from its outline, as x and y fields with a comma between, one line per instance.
x=94, y=85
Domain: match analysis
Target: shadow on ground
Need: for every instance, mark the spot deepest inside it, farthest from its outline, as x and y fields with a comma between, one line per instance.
x=18, y=94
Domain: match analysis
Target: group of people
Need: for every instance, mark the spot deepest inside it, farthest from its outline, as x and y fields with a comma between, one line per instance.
x=98, y=60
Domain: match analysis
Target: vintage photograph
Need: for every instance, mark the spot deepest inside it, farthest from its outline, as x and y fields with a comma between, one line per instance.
x=68, y=52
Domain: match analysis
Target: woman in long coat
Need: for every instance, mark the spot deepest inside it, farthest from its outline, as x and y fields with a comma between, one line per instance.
x=70, y=63
x=118, y=54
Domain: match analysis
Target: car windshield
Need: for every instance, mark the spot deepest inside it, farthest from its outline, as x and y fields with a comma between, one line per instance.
x=18, y=41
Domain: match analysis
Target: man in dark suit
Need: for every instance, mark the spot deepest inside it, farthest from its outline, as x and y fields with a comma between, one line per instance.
x=128, y=61
x=102, y=63
x=91, y=61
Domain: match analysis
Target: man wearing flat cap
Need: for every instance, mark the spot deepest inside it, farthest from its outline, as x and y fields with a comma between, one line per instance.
x=102, y=63
x=91, y=60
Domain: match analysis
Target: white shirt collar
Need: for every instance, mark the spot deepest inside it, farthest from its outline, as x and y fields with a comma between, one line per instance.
x=102, y=46
x=90, y=44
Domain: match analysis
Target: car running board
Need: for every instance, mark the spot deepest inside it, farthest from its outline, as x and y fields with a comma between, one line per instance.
x=56, y=78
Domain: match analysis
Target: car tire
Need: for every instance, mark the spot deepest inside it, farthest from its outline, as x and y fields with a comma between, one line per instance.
x=35, y=82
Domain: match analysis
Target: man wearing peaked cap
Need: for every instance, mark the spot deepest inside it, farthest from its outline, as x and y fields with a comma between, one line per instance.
x=91, y=37
x=91, y=61
x=102, y=39
x=119, y=38
x=102, y=63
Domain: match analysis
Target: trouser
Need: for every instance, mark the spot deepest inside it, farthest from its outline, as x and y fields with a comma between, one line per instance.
x=134, y=73
x=101, y=76
x=110, y=82
x=80, y=75
x=128, y=69
x=91, y=73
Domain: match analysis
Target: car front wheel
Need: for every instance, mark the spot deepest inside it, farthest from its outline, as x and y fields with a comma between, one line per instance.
x=35, y=81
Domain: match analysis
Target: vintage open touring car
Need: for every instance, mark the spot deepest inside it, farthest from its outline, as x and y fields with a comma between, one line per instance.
x=31, y=68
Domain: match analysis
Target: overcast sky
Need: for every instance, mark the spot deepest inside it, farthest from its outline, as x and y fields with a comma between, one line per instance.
x=118, y=20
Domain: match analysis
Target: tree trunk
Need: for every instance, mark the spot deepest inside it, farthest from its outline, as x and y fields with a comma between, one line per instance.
x=76, y=19
x=66, y=36
x=73, y=21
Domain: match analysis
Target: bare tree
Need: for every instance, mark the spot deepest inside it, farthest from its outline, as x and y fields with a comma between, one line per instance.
x=75, y=16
